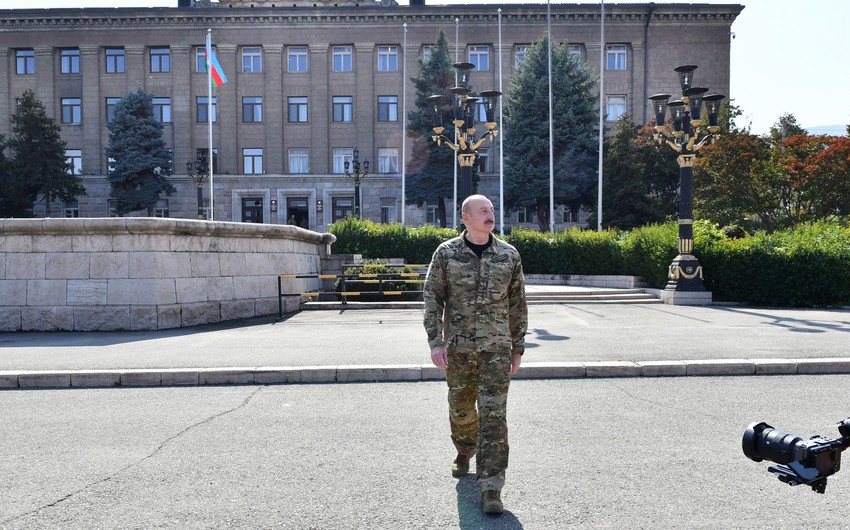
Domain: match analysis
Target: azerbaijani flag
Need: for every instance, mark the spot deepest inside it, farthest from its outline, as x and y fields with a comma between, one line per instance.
x=215, y=71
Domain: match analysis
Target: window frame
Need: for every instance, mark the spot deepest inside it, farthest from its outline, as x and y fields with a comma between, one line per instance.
x=115, y=59
x=201, y=108
x=343, y=59
x=388, y=160
x=387, y=109
x=610, y=102
x=25, y=61
x=160, y=59
x=252, y=109
x=74, y=158
x=520, y=54
x=477, y=52
x=294, y=56
x=297, y=107
x=69, y=61
x=340, y=155
x=388, y=58
x=252, y=60
x=162, y=109
x=299, y=160
x=255, y=155
x=618, y=53
x=71, y=111
x=343, y=111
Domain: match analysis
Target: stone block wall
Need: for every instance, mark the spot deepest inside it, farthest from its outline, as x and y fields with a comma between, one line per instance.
x=141, y=273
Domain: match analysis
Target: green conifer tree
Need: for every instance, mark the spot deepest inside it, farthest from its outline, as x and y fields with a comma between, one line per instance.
x=140, y=160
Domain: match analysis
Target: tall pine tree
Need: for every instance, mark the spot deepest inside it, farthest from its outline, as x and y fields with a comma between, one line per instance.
x=39, y=167
x=140, y=160
x=431, y=167
x=526, y=141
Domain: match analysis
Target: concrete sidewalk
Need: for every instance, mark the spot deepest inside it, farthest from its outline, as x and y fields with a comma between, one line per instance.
x=564, y=340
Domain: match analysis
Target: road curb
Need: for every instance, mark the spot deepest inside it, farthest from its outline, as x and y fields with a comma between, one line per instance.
x=26, y=379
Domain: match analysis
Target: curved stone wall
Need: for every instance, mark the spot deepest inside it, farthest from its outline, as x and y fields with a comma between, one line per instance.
x=143, y=273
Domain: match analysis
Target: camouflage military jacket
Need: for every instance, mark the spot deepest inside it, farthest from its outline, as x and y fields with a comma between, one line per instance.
x=473, y=303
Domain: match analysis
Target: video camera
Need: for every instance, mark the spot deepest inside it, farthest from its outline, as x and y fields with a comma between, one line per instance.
x=800, y=461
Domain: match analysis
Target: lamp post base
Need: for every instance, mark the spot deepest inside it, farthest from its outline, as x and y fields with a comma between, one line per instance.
x=685, y=274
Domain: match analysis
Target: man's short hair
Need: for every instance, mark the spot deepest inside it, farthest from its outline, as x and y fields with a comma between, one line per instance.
x=464, y=207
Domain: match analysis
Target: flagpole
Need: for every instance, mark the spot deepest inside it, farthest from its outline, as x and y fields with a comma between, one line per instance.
x=403, y=118
x=601, y=115
x=501, y=138
x=551, y=128
x=209, y=122
x=454, y=193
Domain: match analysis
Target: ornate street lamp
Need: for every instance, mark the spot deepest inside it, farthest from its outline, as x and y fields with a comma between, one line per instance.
x=357, y=176
x=686, y=138
x=199, y=176
x=463, y=118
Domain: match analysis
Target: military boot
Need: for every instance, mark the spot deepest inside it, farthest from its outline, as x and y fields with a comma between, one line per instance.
x=460, y=465
x=492, y=501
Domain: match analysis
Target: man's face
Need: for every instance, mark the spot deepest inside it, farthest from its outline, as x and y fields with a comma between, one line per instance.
x=480, y=217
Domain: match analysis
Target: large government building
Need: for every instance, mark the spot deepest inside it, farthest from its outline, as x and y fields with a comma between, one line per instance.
x=311, y=81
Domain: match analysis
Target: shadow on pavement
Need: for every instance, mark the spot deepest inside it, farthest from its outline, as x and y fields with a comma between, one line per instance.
x=798, y=325
x=469, y=510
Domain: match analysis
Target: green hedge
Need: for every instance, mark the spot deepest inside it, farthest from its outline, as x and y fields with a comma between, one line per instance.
x=799, y=267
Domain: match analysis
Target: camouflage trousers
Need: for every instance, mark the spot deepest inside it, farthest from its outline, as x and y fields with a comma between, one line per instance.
x=478, y=397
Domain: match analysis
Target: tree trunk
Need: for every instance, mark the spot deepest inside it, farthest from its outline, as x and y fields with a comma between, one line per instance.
x=441, y=212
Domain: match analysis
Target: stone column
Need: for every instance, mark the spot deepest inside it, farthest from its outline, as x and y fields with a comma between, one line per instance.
x=273, y=112
x=95, y=133
x=320, y=65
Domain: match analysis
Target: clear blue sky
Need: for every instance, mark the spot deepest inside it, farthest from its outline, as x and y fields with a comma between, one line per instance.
x=787, y=55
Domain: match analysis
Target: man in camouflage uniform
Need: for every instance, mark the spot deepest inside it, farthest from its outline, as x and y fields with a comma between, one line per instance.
x=476, y=318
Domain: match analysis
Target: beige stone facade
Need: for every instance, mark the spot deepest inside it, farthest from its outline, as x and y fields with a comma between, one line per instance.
x=291, y=67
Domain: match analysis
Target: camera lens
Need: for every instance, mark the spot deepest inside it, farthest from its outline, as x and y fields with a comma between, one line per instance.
x=763, y=442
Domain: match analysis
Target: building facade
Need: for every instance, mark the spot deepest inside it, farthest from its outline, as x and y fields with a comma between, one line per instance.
x=310, y=82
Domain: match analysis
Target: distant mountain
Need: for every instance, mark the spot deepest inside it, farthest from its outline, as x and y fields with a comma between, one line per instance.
x=832, y=130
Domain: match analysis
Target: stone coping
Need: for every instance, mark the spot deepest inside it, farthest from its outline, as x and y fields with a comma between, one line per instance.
x=397, y=373
x=158, y=226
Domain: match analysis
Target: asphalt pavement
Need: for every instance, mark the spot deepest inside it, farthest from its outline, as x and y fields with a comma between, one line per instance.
x=564, y=341
x=629, y=453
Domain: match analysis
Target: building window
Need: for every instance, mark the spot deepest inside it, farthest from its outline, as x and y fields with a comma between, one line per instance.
x=616, y=106
x=426, y=53
x=520, y=53
x=160, y=60
x=432, y=213
x=110, y=108
x=161, y=209
x=72, y=110
x=342, y=107
x=342, y=208
x=72, y=208
x=387, y=160
x=388, y=210
x=252, y=161
x=297, y=109
x=162, y=109
x=25, y=62
x=482, y=161
x=296, y=57
x=570, y=216
x=74, y=157
x=114, y=60
x=342, y=58
x=387, y=58
x=203, y=109
x=387, y=108
x=524, y=215
x=480, y=57
x=341, y=155
x=299, y=162
x=252, y=60
x=201, y=59
x=252, y=109
x=616, y=57
x=69, y=61
x=575, y=52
